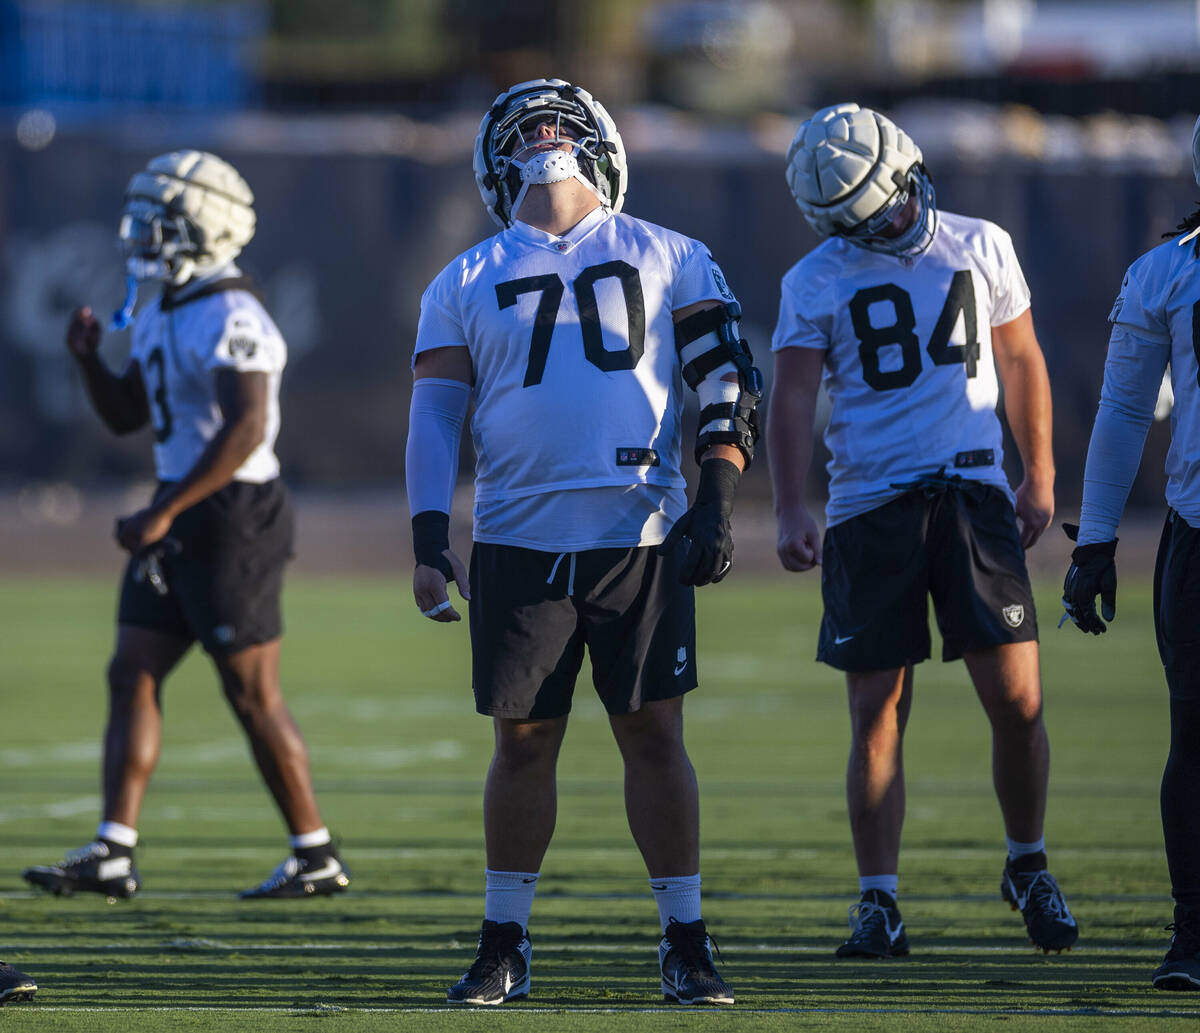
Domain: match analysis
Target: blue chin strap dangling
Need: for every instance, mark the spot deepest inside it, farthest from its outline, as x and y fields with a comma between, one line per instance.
x=123, y=316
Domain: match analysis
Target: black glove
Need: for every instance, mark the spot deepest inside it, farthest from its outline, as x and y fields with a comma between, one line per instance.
x=431, y=538
x=705, y=527
x=149, y=563
x=1093, y=572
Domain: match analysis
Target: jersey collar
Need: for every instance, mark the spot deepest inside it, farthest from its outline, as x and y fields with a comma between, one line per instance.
x=568, y=241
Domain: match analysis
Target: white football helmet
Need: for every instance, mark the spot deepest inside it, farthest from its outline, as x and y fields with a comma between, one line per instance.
x=598, y=160
x=187, y=214
x=851, y=170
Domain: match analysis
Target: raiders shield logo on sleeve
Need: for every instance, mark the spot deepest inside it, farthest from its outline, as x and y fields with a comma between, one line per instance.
x=1014, y=615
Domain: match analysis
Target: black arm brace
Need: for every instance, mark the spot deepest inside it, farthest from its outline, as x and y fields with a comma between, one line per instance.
x=738, y=421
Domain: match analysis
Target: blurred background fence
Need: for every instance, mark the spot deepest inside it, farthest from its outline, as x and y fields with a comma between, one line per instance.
x=354, y=129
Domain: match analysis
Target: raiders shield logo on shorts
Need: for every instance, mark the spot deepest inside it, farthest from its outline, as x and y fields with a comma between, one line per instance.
x=1014, y=615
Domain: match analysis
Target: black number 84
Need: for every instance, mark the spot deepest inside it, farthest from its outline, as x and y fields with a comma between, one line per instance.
x=871, y=339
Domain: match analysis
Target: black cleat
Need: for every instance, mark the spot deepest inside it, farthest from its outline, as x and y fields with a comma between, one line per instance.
x=90, y=869
x=876, y=928
x=15, y=986
x=685, y=961
x=299, y=877
x=500, y=971
x=1180, y=969
x=1030, y=889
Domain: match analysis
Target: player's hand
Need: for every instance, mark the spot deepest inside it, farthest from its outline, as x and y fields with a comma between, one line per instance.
x=799, y=541
x=705, y=533
x=142, y=528
x=431, y=591
x=83, y=333
x=1034, y=508
x=1093, y=572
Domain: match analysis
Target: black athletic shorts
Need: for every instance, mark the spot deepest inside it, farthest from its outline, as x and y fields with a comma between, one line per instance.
x=532, y=614
x=956, y=542
x=224, y=584
x=1177, y=606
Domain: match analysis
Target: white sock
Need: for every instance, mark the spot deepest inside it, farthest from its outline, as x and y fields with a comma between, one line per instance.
x=308, y=840
x=509, y=896
x=678, y=898
x=1016, y=849
x=890, y=884
x=117, y=833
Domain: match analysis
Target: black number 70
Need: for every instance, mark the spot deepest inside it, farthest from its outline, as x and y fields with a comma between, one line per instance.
x=551, y=287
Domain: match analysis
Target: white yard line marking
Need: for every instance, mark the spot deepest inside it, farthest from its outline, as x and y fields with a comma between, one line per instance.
x=692, y=1013
x=928, y=950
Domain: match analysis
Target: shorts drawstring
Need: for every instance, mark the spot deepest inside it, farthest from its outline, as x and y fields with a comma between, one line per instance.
x=570, y=572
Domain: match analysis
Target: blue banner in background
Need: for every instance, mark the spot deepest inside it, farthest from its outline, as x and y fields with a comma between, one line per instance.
x=99, y=55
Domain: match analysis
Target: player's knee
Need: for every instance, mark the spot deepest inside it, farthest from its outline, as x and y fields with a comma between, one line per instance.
x=128, y=682
x=527, y=745
x=650, y=738
x=248, y=699
x=874, y=717
x=1018, y=711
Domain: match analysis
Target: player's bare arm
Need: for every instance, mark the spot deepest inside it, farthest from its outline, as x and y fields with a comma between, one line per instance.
x=1022, y=371
x=789, y=453
x=242, y=398
x=430, y=589
x=119, y=400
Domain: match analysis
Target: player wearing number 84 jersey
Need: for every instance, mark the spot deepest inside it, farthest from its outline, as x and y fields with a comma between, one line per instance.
x=908, y=356
x=912, y=317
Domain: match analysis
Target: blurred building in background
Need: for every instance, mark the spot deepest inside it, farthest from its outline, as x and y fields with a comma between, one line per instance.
x=1067, y=122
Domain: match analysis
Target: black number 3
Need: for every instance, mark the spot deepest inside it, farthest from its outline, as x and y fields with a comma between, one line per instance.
x=551, y=288
x=162, y=412
x=959, y=299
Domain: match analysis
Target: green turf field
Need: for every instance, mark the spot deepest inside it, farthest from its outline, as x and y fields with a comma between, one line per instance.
x=399, y=755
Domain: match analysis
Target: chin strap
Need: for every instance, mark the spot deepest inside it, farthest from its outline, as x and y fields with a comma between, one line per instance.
x=547, y=167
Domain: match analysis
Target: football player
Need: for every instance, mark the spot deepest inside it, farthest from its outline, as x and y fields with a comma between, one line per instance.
x=907, y=315
x=207, y=553
x=1155, y=327
x=15, y=986
x=571, y=332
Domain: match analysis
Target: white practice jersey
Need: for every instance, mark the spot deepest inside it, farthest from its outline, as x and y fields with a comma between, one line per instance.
x=1156, y=321
x=180, y=349
x=578, y=390
x=908, y=357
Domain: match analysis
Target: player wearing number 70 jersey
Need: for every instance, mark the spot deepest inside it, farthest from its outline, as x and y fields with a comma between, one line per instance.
x=571, y=332
x=209, y=550
x=907, y=315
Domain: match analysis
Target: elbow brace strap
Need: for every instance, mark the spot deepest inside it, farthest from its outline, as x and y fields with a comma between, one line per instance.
x=710, y=346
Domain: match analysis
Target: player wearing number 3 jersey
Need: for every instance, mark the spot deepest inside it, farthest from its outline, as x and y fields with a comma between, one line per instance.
x=572, y=332
x=912, y=318
x=207, y=554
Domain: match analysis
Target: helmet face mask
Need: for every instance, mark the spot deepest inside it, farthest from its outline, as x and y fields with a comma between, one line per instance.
x=156, y=244
x=877, y=232
x=852, y=171
x=515, y=123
